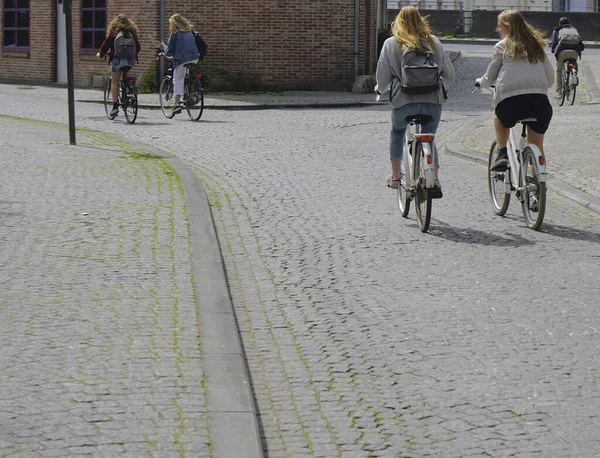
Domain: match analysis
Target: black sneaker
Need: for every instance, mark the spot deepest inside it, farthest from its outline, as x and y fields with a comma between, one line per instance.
x=176, y=110
x=114, y=112
x=500, y=161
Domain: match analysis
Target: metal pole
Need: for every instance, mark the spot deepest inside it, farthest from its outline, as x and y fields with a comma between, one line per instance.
x=70, y=73
x=356, y=35
x=161, y=71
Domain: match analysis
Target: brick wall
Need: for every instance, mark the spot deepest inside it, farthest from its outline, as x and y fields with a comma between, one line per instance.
x=284, y=43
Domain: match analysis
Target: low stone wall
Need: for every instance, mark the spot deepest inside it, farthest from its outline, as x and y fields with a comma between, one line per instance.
x=447, y=22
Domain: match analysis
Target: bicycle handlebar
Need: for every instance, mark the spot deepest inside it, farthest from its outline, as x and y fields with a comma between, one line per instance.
x=162, y=54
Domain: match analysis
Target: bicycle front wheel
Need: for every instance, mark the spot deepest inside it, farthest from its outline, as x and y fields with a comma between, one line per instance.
x=108, y=98
x=534, y=192
x=572, y=89
x=129, y=100
x=165, y=95
x=422, y=193
x=403, y=196
x=194, y=98
x=499, y=197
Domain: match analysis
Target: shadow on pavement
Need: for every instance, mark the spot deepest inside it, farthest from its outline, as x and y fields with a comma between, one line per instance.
x=474, y=237
x=567, y=232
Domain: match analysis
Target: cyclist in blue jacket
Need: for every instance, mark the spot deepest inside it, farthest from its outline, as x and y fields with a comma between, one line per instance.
x=182, y=46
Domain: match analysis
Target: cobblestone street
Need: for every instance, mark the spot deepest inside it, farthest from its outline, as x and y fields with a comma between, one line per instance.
x=364, y=337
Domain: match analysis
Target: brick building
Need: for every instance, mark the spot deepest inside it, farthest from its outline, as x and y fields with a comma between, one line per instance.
x=285, y=43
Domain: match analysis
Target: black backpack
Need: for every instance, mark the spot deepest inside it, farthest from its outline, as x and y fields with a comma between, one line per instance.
x=125, y=45
x=420, y=74
x=201, y=44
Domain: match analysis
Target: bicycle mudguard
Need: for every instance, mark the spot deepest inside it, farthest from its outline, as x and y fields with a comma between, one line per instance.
x=429, y=164
x=543, y=175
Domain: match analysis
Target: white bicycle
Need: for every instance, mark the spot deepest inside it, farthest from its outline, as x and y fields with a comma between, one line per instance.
x=526, y=176
x=417, y=169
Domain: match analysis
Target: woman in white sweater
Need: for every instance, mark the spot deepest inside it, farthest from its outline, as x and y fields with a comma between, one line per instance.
x=522, y=74
x=411, y=31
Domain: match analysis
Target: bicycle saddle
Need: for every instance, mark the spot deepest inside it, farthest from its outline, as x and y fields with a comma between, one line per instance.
x=527, y=120
x=418, y=119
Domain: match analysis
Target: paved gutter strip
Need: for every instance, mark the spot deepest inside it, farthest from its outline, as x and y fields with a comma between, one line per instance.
x=232, y=414
x=592, y=87
x=265, y=106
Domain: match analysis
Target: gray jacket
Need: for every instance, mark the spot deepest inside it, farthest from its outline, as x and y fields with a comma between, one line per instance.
x=389, y=71
x=516, y=76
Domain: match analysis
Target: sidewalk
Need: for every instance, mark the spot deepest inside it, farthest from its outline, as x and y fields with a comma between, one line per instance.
x=116, y=326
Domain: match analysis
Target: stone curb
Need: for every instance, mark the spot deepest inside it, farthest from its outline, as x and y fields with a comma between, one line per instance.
x=232, y=413
x=456, y=148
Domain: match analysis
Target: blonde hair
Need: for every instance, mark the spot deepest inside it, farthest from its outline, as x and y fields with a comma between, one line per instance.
x=410, y=28
x=122, y=22
x=522, y=39
x=177, y=23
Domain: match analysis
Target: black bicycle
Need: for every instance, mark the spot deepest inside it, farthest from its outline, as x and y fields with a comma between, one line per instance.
x=570, y=81
x=128, y=96
x=193, y=93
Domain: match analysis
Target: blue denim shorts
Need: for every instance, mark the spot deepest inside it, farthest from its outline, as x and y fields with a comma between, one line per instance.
x=399, y=125
x=118, y=63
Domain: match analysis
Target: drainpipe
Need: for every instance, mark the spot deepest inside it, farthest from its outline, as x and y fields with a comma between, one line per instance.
x=162, y=39
x=356, y=35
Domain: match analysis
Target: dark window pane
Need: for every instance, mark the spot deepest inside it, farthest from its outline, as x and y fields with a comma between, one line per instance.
x=23, y=38
x=100, y=3
x=87, y=19
x=10, y=19
x=23, y=19
x=100, y=22
x=99, y=36
x=22, y=3
x=10, y=4
x=87, y=4
x=87, y=40
x=9, y=38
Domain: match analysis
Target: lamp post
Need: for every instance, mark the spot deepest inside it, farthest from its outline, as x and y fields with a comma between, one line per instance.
x=70, y=74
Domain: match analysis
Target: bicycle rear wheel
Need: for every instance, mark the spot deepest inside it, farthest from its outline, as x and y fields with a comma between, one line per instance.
x=194, y=98
x=403, y=196
x=565, y=85
x=572, y=88
x=129, y=101
x=500, y=198
x=165, y=95
x=108, y=98
x=534, y=194
x=422, y=194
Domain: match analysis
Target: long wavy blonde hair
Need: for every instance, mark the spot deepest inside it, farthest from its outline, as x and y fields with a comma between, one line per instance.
x=177, y=23
x=410, y=28
x=122, y=22
x=522, y=39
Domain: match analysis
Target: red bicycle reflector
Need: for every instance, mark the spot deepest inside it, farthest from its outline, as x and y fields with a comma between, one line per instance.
x=426, y=138
x=429, y=159
x=198, y=75
x=132, y=79
x=542, y=160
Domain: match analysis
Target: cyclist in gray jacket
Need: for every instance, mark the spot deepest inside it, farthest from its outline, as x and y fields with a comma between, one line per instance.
x=411, y=31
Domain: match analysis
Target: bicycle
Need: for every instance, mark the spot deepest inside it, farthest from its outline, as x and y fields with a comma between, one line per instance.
x=127, y=96
x=417, y=170
x=570, y=80
x=193, y=93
